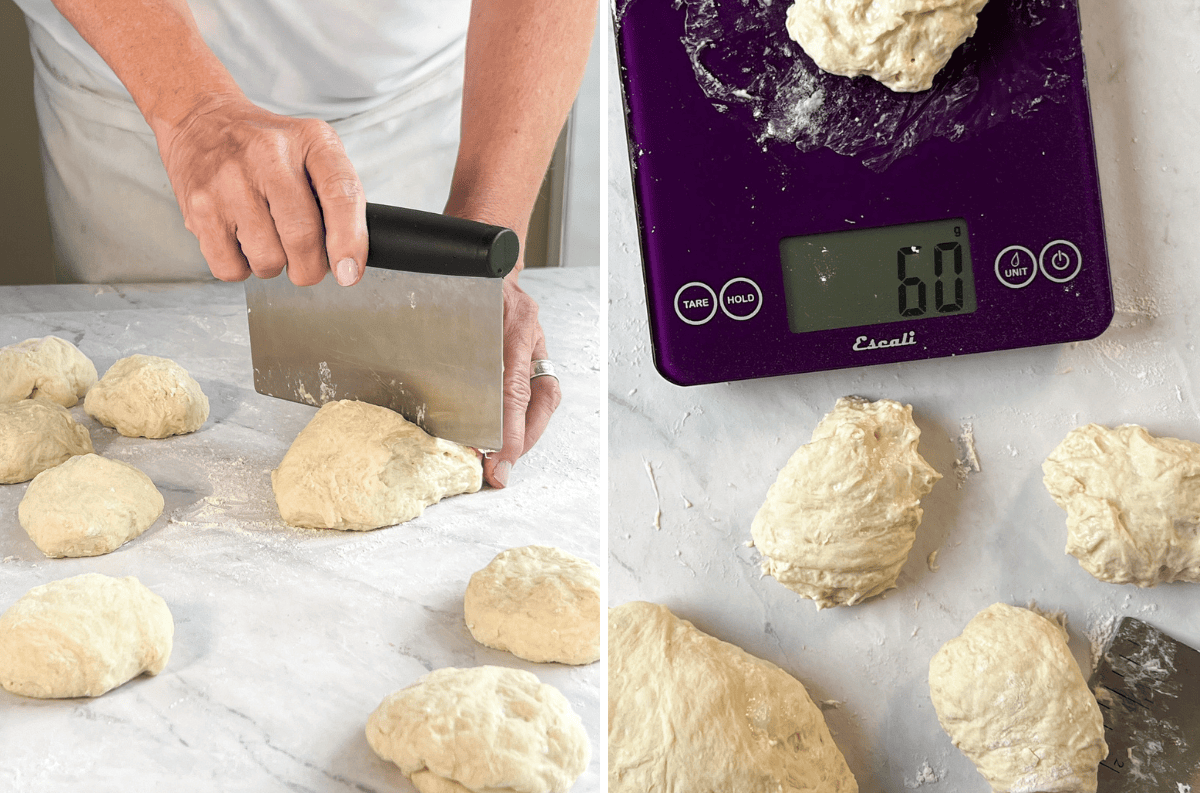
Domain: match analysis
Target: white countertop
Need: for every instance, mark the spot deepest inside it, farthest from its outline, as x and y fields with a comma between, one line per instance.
x=705, y=456
x=285, y=639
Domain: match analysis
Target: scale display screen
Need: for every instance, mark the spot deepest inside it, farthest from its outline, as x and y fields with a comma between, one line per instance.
x=874, y=276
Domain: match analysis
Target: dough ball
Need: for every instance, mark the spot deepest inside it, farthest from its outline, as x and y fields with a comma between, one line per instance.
x=839, y=522
x=689, y=712
x=901, y=43
x=1132, y=502
x=50, y=368
x=1012, y=698
x=482, y=729
x=88, y=506
x=538, y=603
x=358, y=466
x=147, y=397
x=83, y=636
x=36, y=435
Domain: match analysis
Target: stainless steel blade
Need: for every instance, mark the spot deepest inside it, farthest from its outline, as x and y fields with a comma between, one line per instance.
x=1148, y=688
x=427, y=346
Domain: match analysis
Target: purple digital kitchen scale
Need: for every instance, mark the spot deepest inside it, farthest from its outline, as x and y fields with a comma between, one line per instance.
x=796, y=221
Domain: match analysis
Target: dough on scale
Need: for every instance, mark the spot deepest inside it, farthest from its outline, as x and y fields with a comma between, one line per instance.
x=83, y=636
x=900, y=43
x=36, y=435
x=839, y=522
x=482, y=730
x=688, y=712
x=148, y=397
x=358, y=466
x=50, y=368
x=1011, y=697
x=88, y=506
x=1132, y=502
x=538, y=603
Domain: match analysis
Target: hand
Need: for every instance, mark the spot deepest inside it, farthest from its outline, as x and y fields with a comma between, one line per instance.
x=262, y=191
x=528, y=404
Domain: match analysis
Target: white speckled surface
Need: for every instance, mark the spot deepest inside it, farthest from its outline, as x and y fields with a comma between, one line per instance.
x=705, y=456
x=285, y=639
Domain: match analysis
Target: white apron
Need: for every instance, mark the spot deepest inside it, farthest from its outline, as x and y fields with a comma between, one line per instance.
x=391, y=90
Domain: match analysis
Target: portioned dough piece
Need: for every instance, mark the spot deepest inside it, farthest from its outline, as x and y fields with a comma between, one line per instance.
x=358, y=466
x=1011, y=697
x=689, y=712
x=1132, y=502
x=538, y=603
x=88, y=506
x=36, y=435
x=50, y=368
x=901, y=43
x=839, y=522
x=83, y=636
x=148, y=397
x=486, y=729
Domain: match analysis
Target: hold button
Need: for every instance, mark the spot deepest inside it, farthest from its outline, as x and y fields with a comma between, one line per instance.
x=740, y=298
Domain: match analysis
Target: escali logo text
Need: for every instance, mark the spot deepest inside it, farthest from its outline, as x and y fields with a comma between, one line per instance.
x=863, y=343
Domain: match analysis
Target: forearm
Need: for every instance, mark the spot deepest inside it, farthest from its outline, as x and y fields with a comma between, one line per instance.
x=524, y=62
x=156, y=50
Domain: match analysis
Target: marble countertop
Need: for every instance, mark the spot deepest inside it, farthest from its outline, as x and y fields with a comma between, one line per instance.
x=285, y=639
x=689, y=467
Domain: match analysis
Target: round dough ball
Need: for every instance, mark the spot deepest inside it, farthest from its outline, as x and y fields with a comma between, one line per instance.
x=148, y=397
x=358, y=466
x=36, y=435
x=690, y=712
x=901, y=43
x=1011, y=697
x=83, y=636
x=538, y=603
x=1132, y=502
x=50, y=368
x=481, y=729
x=839, y=521
x=88, y=506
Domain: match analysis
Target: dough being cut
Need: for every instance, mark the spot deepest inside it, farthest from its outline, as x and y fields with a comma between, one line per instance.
x=148, y=397
x=83, y=636
x=689, y=712
x=1012, y=698
x=358, y=466
x=839, y=522
x=901, y=43
x=36, y=435
x=538, y=603
x=1132, y=502
x=88, y=506
x=481, y=730
x=50, y=368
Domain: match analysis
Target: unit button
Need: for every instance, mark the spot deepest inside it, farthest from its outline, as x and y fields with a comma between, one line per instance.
x=1060, y=261
x=695, y=303
x=740, y=298
x=1016, y=266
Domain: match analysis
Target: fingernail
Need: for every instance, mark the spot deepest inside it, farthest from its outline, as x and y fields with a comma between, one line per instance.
x=501, y=472
x=346, y=272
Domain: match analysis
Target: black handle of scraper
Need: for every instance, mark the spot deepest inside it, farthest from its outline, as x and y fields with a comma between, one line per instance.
x=426, y=242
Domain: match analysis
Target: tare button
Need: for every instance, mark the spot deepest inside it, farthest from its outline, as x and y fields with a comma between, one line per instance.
x=1060, y=261
x=740, y=298
x=695, y=303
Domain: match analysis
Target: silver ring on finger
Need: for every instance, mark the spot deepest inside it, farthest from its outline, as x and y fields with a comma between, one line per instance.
x=541, y=368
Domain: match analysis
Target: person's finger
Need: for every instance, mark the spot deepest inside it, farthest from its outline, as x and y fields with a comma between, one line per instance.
x=343, y=206
x=545, y=396
x=217, y=238
x=297, y=221
x=518, y=350
x=258, y=239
